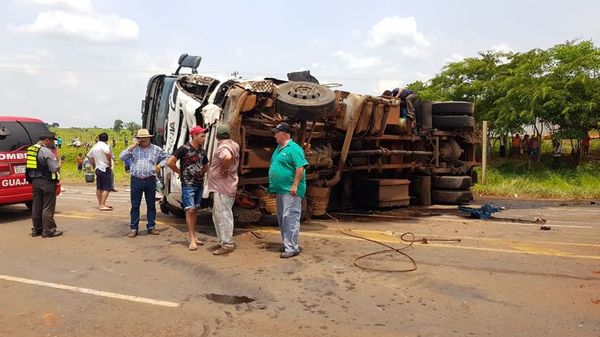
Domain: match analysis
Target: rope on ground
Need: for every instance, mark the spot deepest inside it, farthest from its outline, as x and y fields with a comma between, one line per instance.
x=388, y=248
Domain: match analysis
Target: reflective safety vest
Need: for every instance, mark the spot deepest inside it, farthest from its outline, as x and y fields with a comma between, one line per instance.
x=32, y=163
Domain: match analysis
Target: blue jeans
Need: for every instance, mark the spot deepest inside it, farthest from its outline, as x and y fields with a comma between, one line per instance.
x=191, y=197
x=146, y=186
x=289, y=208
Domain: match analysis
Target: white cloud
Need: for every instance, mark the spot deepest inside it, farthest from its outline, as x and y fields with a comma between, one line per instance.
x=25, y=63
x=91, y=27
x=354, y=62
x=75, y=5
x=383, y=85
x=68, y=79
x=503, y=47
x=398, y=31
x=454, y=58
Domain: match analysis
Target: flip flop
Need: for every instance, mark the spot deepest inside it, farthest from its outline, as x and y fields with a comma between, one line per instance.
x=105, y=209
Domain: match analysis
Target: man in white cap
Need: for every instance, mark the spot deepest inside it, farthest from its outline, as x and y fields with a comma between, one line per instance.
x=144, y=157
x=192, y=165
x=222, y=181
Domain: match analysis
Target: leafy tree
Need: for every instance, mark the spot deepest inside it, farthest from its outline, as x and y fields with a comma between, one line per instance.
x=118, y=126
x=559, y=86
x=132, y=126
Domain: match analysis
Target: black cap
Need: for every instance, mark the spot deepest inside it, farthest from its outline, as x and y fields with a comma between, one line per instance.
x=48, y=134
x=282, y=127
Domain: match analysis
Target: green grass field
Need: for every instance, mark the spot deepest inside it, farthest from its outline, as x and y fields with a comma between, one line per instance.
x=69, y=172
x=506, y=177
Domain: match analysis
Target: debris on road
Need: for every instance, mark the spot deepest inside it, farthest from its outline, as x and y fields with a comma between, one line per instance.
x=483, y=212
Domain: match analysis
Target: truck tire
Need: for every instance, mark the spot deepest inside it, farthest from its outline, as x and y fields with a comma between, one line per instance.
x=451, y=197
x=163, y=206
x=451, y=182
x=452, y=108
x=175, y=211
x=304, y=100
x=453, y=122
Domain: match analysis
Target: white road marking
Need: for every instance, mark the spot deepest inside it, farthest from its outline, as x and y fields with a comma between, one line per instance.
x=91, y=291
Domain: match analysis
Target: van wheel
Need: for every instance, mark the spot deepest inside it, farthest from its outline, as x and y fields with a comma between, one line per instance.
x=29, y=204
x=304, y=100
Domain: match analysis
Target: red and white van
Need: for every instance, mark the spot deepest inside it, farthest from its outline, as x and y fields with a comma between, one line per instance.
x=16, y=134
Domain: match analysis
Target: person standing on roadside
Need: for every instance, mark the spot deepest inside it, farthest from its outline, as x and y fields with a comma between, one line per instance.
x=288, y=184
x=192, y=166
x=144, y=158
x=222, y=181
x=516, y=146
x=79, y=160
x=102, y=158
x=41, y=171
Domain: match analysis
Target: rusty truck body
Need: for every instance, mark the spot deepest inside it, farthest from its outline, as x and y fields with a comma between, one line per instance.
x=362, y=151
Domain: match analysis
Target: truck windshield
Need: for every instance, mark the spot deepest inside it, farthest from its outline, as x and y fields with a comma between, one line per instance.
x=162, y=111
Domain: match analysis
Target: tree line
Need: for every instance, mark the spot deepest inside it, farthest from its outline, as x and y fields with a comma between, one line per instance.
x=557, y=88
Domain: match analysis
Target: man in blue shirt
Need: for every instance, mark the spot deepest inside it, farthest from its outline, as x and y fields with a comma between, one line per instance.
x=144, y=157
x=287, y=182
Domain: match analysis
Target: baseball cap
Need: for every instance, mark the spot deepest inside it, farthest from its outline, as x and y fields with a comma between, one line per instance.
x=223, y=130
x=197, y=129
x=282, y=127
x=48, y=135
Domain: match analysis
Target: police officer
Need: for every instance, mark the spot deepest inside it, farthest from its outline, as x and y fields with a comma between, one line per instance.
x=42, y=172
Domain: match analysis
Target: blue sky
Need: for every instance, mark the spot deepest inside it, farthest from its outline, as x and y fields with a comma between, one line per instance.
x=86, y=62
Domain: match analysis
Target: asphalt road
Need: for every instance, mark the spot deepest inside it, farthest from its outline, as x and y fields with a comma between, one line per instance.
x=506, y=276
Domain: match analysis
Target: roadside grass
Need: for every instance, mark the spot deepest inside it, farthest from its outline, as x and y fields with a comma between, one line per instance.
x=69, y=171
x=519, y=178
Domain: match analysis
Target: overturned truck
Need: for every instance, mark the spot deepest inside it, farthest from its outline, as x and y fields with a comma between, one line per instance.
x=362, y=152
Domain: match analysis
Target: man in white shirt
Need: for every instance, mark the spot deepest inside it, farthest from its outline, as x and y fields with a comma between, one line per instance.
x=102, y=158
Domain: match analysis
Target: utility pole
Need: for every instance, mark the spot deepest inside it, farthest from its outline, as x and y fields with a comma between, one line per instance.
x=484, y=154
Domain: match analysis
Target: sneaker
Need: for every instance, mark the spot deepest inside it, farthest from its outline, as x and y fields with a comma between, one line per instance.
x=132, y=234
x=213, y=247
x=153, y=231
x=223, y=250
x=35, y=233
x=52, y=234
x=286, y=255
x=193, y=246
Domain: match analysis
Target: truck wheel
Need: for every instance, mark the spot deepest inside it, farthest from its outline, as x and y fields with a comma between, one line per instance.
x=163, y=206
x=304, y=100
x=451, y=197
x=453, y=122
x=175, y=211
x=452, y=108
x=451, y=182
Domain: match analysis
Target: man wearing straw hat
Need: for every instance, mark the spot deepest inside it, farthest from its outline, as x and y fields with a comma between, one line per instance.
x=144, y=158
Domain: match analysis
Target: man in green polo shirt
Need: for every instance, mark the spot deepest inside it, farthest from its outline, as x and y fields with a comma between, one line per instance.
x=288, y=184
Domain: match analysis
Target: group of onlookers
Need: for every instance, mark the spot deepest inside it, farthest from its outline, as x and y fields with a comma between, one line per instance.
x=287, y=182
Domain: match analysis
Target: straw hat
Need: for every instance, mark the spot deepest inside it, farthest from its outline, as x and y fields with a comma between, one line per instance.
x=143, y=133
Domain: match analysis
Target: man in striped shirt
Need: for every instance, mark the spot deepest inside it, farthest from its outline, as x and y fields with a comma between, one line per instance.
x=144, y=157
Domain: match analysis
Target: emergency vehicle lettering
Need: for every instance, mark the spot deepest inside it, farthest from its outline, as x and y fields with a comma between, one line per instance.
x=13, y=156
x=14, y=182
